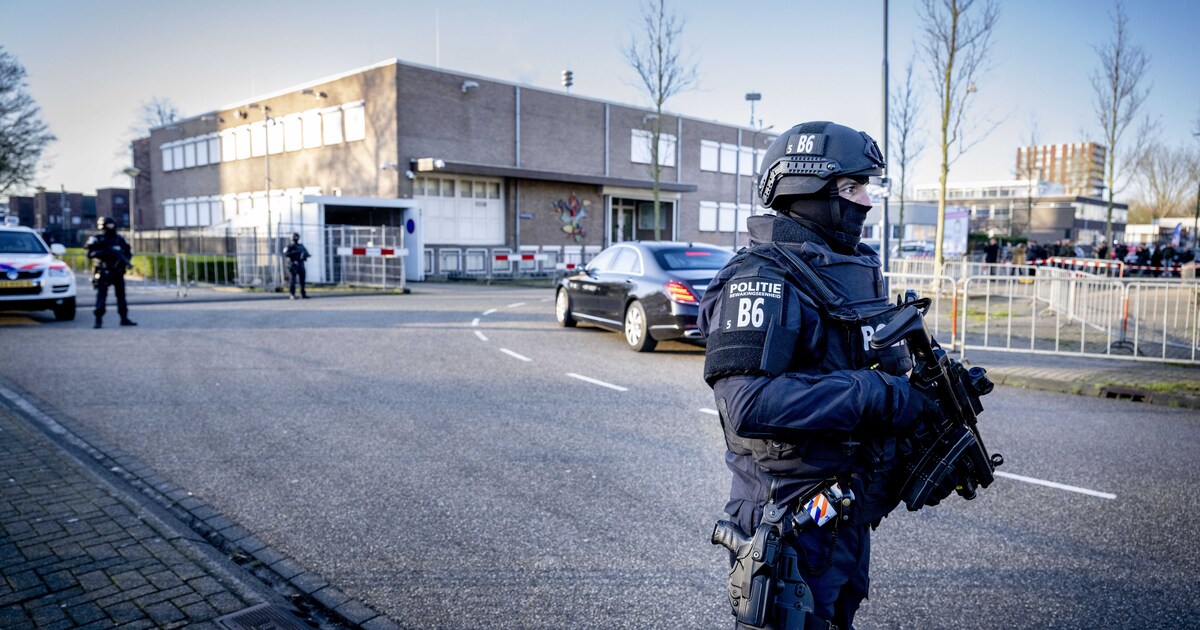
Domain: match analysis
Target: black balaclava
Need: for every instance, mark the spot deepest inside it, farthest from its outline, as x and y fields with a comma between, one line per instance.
x=836, y=219
x=110, y=228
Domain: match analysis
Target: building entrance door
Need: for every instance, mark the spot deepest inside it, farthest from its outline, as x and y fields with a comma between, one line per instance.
x=633, y=220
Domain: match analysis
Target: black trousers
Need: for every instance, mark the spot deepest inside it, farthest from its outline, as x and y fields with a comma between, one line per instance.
x=297, y=272
x=117, y=280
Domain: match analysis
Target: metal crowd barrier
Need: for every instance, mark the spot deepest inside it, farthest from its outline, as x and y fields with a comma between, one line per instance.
x=1066, y=312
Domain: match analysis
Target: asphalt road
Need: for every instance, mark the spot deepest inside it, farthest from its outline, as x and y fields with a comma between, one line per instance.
x=444, y=457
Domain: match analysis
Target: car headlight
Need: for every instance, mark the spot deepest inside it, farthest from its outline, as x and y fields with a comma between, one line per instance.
x=60, y=272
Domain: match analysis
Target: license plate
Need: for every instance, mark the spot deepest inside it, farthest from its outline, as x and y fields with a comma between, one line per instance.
x=15, y=284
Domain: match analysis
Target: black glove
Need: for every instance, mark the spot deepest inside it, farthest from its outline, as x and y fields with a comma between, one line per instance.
x=916, y=410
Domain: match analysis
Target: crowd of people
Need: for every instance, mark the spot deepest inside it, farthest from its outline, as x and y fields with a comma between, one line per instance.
x=1141, y=259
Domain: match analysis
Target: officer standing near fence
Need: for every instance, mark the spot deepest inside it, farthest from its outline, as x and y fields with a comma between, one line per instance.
x=811, y=414
x=111, y=256
x=296, y=255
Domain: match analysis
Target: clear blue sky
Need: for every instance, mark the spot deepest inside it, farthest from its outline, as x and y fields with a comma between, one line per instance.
x=92, y=63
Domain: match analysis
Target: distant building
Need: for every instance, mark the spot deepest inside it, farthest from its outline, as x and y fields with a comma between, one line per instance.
x=469, y=166
x=67, y=217
x=1078, y=167
x=1040, y=210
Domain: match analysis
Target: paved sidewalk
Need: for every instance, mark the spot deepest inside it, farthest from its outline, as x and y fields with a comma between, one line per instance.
x=77, y=552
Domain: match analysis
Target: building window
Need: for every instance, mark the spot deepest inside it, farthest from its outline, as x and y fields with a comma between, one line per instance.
x=201, y=152
x=356, y=121
x=168, y=164
x=214, y=149
x=708, y=216
x=312, y=128
x=274, y=136
x=710, y=156
x=228, y=146
x=729, y=153
x=639, y=147
x=242, y=138
x=293, y=133
x=746, y=160
x=177, y=155
x=725, y=217
x=258, y=140
x=189, y=155
x=331, y=119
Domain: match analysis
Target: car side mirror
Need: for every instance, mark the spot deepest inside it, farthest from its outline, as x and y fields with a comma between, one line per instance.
x=58, y=249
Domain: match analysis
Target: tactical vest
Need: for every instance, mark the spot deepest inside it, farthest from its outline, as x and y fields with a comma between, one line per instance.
x=766, y=328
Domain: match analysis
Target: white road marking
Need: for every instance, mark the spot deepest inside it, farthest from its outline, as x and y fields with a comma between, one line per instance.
x=1060, y=486
x=489, y=311
x=516, y=304
x=711, y=412
x=475, y=322
x=480, y=335
x=514, y=354
x=596, y=382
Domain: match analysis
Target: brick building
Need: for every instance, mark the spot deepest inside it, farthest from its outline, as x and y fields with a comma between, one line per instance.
x=1078, y=168
x=67, y=217
x=477, y=165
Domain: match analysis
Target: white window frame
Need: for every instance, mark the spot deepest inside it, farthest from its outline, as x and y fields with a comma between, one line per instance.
x=746, y=160
x=311, y=120
x=725, y=216
x=214, y=149
x=274, y=136
x=639, y=147
x=293, y=133
x=228, y=145
x=710, y=156
x=241, y=135
x=729, y=153
x=177, y=155
x=708, y=216
x=331, y=125
x=258, y=139
x=189, y=154
x=354, y=117
x=201, y=152
x=168, y=164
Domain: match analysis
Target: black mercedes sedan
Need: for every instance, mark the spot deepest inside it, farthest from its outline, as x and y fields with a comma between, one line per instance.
x=648, y=290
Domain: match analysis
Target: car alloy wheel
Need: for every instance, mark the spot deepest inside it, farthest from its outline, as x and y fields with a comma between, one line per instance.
x=637, y=330
x=562, y=309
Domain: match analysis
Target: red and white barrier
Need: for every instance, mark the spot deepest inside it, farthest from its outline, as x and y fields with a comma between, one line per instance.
x=385, y=252
x=502, y=258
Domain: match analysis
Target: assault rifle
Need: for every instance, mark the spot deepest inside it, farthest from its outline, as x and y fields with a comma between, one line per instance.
x=949, y=455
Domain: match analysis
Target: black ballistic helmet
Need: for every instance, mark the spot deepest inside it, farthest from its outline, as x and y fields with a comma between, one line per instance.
x=103, y=223
x=295, y=237
x=806, y=158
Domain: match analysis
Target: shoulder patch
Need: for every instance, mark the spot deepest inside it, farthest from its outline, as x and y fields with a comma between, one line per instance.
x=749, y=304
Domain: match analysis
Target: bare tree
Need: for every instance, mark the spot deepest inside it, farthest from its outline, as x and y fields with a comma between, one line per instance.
x=23, y=133
x=655, y=56
x=907, y=105
x=1165, y=183
x=957, y=38
x=157, y=112
x=1119, y=97
x=1031, y=172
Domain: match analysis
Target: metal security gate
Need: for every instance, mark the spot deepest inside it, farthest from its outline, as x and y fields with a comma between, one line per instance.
x=369, y=263
x=259, y=257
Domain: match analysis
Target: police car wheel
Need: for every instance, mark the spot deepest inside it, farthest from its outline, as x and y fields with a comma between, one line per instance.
x=562, y=309
x=637, y=329
x=65, y=312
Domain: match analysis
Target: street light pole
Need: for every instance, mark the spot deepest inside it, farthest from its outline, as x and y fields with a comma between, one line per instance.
x=753, y=169
x=276, y=272
x=884, y=239
x=133, y=173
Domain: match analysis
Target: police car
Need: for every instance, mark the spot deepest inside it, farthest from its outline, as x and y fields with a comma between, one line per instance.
x=32, y=278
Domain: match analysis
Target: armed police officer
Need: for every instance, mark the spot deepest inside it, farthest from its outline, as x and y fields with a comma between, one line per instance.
x=811, y=413
x=296, y=254
x=111, y=256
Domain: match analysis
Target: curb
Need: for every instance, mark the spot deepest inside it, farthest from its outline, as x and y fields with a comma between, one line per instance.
x=1088, y=384
x=309, y=593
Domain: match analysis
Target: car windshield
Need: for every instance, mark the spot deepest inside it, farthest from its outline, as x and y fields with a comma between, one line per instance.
x=673, y=258
x=21, y=243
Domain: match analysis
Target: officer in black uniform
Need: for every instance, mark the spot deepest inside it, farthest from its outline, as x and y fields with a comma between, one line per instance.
x=111, y=256
x=296, y=255
x=811, y=413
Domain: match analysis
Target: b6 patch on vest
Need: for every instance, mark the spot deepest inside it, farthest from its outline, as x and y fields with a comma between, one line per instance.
x=751, y=303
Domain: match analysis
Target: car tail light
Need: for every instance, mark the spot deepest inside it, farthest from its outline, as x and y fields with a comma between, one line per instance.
x=680, y=293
